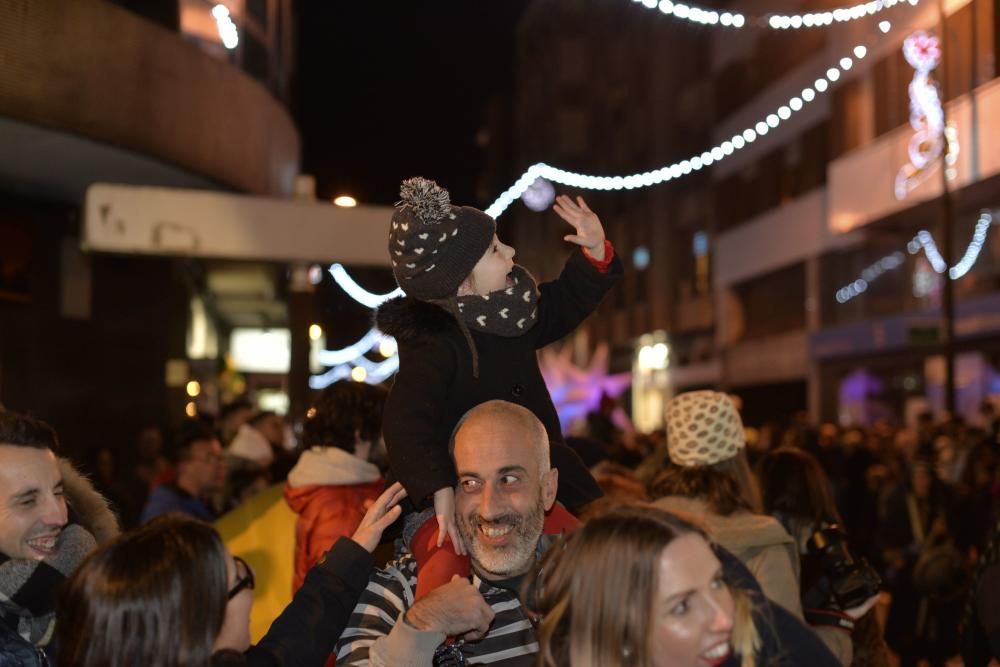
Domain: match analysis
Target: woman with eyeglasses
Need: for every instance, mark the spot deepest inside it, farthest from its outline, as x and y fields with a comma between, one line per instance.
x=169, y=594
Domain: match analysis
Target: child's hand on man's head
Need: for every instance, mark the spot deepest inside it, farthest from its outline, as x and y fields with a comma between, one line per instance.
x=444, y=510
x=589, y=231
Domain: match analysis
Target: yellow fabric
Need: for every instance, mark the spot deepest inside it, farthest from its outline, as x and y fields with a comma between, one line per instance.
x=262, y=532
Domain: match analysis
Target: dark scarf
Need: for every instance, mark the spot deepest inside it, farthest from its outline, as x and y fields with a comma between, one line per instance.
x=508, y=312
x=28, y=587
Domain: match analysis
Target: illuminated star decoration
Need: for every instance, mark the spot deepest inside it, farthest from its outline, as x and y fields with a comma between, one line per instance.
x=923, y=52
x=576, y=391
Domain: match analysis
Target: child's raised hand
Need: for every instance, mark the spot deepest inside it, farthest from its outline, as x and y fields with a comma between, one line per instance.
x=589, y=231
x=444, y=510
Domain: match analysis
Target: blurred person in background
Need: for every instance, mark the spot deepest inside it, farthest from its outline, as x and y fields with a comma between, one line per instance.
x=708, y=479
x=838, y=591
x=201, y=471
x=925, y=573
x=334, y=478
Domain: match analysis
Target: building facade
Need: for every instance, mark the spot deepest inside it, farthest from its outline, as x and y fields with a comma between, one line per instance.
x=789, y=273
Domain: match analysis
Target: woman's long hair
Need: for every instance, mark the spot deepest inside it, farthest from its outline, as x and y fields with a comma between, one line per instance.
x=154, y=597
x=593, y=594
x=726, y=486
x=796, y=490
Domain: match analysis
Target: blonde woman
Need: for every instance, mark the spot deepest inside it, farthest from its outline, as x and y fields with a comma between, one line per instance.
x=640, y=587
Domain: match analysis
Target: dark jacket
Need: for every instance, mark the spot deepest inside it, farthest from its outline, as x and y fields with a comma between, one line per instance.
x=308, y=629
x=784, y=639
x=435, y=385
x=18, y=652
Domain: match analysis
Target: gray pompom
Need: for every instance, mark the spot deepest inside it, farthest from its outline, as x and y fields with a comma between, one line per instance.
x=429, y=201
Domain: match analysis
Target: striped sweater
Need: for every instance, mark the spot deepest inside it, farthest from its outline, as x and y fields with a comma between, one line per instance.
x=376, y=635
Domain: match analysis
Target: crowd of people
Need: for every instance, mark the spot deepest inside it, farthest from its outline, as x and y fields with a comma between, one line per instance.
x=449, y=521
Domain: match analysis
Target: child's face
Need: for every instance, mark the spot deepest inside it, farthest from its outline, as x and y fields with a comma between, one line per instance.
x=492, y=272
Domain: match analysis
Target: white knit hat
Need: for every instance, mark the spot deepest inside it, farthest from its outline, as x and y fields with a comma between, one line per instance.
x=703, y=427
x=251, y=444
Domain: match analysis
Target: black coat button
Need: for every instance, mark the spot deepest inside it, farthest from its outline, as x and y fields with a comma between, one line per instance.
x=517, y=390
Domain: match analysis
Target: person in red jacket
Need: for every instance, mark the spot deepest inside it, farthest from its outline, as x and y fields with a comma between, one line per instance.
x=329, y=486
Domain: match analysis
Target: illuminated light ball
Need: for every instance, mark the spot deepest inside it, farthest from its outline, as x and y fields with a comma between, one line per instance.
x=359, y=374
x=884, y=26
x=739, y=142
x=784, y=113
x=666, y=6
x=833, y=74
x=775, y=22
x=821, y=85
x=795, y=103
x=738, y=21
x=846, y=63
x=310, y=413
x=193, y=388
x=761, y=128
x=539, y=195
x=749, y=135
x=315, y=274
x=682, y=11
x=727, y=147
x=640, y=258
x=796, y=22
x=191, y=410
x=860, y=51
x=651, y=4
x=808, y=94
x=718, y=153
x=809, y=20
x=726, y=19
x=388, y=347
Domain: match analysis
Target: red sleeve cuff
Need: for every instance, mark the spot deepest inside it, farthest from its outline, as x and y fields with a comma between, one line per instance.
x=609, y=255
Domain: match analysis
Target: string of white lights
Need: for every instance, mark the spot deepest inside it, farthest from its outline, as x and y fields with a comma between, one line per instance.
x=684, y=167
x=775, y=21
x=348, y=354
x=356, y=291
x=375, y=372
x=922, y=241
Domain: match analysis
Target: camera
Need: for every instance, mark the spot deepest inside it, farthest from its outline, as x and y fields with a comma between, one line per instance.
x=844, y=580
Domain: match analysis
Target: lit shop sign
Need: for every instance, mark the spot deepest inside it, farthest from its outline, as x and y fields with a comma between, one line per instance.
x=261, y=350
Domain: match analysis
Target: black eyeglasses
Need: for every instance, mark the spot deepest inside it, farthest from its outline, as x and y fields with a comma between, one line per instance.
x=243, y=581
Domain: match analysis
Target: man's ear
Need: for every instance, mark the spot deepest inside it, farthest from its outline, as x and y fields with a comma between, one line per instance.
x=550, y=485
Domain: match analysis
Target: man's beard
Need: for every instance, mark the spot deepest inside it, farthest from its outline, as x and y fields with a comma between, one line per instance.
x=511, y=559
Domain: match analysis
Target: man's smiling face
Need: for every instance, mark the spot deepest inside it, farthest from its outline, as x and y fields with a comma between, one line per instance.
x=504, y=488
x=32, y=507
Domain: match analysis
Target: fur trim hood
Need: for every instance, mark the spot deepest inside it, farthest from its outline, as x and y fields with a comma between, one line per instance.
x=407, y=319
x=89, y=507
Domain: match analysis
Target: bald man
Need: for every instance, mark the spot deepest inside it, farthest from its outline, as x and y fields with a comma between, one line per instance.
x=505, y=486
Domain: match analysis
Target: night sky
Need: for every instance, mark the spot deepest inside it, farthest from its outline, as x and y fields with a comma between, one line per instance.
x=388, y=90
